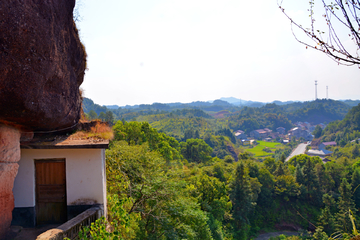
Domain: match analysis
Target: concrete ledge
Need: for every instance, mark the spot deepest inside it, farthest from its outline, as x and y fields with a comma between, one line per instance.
x=72, y=227
x=52, y=234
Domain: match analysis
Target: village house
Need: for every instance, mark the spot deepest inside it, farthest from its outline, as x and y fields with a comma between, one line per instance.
x=322, y=153
x=312, y=128
x=298, y=133
x=280, y=130
x=274, y=135
x=267, y=130
x=308, y=126
x=245, y=142
x=256, y=133
x=325, y=144
x=58, y=179
x=239, y=134
x=260, y=133
x=300, y=125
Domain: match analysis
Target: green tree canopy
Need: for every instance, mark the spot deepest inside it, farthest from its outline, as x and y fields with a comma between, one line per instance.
x=196, y=150
x=92, y=115
x=317, y=132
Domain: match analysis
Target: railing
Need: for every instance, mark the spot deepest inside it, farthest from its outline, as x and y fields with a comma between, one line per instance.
x=71, y=228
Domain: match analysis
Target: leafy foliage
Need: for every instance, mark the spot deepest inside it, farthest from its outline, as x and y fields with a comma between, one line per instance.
x=89, y=105
x=345, y=130
x=135, y=133
x=160, y=188
x=196, y=150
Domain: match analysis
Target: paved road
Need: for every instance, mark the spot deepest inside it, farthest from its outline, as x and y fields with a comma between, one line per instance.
x=300, y=149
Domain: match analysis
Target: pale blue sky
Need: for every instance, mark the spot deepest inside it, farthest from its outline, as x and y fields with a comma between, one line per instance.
x=145, y=51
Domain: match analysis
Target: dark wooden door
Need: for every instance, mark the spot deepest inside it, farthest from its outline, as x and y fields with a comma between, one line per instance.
x=50, y=180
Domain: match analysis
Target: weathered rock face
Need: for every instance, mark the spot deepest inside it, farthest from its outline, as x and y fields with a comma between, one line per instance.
x=9, y=156
x=42, y=64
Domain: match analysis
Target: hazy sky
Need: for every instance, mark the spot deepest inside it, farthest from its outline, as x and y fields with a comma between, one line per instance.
x=145, y=51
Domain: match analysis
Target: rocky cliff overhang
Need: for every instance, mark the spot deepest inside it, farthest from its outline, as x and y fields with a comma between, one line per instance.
x=42, y=64
x=64, y=142
x=86, y=135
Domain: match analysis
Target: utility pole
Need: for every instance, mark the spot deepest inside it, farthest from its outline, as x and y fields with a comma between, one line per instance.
x=315, y=90
x=327, y=96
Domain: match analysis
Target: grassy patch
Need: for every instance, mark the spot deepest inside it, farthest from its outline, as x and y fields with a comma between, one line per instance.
x=268, y=144
x=99, y=130
x=258, y=150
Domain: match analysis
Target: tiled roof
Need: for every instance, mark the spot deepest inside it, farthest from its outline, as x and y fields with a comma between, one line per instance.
x=322, y=152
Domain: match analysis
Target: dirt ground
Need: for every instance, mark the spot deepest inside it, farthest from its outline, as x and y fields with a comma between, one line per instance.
x=266, y=236
x=19, y=233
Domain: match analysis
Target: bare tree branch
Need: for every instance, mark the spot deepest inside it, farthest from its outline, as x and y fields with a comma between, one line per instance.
x=340, y=16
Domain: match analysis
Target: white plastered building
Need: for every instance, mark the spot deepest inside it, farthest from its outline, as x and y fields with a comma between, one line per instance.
x=58, y=180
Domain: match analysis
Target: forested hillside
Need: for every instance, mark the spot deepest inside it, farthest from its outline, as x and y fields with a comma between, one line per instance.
x=159, y=188
x=345, y=130
x=89, y=105
x=217, y=129
x=177, y=173
x=269, y=116
x=321, y=110
x=351, y=103
x=175, y=119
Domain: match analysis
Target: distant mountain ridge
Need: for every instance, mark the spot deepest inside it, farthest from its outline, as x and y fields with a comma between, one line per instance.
x=111, y=106
x=231, y=100
x=241, y=102
x=222, y=101
x=315, y=112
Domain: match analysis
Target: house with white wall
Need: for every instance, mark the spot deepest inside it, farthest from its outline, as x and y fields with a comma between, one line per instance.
x=322, y=153
x=323, y=145
x=239, y=134
x=58, y=180
x=260, y=133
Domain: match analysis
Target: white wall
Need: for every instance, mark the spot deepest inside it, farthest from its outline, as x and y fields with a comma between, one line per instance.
x=85, y=175
x=24, y=184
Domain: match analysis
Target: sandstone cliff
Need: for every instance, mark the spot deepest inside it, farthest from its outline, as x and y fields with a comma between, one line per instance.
x=42, y=64
x=9, y=156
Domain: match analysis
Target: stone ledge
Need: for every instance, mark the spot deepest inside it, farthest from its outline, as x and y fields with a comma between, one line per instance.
x=71, y=228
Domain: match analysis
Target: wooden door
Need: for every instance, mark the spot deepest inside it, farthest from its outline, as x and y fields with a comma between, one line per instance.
x=50, y=180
